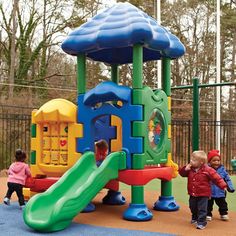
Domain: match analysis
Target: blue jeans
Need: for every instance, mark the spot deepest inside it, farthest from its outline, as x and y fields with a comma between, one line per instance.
x=198, y=207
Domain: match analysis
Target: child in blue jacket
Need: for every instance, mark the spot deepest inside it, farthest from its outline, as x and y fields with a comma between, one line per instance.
x=218, y=195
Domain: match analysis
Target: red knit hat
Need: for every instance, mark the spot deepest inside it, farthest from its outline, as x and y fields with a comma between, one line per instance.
x=213, y=153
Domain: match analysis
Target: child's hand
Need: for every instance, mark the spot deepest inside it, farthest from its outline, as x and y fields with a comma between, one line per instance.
x=230, y=190
x=188, y=167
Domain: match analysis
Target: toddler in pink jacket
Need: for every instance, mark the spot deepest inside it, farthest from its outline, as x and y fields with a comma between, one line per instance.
x=17, y=174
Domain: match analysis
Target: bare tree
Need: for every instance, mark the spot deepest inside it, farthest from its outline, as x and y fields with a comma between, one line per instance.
x=29, y=44
x=13, y=48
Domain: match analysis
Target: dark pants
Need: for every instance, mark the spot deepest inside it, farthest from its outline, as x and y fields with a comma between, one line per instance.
x=198, y=207
x=18, y=188
x=221, y=203
x=98, y=163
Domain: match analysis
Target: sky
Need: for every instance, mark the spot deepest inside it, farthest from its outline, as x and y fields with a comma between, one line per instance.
x=108, y=3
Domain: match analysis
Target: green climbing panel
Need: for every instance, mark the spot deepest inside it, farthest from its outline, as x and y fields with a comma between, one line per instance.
x=153, y=128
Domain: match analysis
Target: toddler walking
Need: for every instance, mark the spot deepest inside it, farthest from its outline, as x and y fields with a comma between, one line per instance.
x=218, y=195
x=199, y=176
x=17, y=174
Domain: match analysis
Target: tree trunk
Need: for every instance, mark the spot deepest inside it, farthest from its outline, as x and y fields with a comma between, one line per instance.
x=13, y=50
x=232, y=89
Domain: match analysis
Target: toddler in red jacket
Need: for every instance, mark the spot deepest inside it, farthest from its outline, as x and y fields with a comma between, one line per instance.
x=101, y=151
x=200, y=176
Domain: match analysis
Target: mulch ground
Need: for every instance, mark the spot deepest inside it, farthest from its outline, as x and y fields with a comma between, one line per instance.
x=163, y=222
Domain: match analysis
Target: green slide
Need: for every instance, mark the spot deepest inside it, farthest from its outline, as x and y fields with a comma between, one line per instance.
x=54, y=209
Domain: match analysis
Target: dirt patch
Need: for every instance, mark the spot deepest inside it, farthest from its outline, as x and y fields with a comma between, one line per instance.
x=164, y=222
x=3, y=173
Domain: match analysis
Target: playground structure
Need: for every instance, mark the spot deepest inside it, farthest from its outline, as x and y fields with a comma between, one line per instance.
x=136, y=123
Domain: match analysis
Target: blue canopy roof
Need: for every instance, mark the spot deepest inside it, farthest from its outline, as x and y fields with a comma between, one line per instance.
x=110, y=35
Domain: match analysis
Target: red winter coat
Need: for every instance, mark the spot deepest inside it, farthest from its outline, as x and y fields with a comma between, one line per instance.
x=100, y=154
x=199, y=182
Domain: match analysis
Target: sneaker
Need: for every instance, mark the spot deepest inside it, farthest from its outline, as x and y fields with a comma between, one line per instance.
x=6, y=201
x=22, y=207
x=200, y=227
x=224, y=217
x=209, y=218
x=193, y=222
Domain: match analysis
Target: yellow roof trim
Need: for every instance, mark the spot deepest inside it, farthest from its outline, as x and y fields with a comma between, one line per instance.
x=56, y=110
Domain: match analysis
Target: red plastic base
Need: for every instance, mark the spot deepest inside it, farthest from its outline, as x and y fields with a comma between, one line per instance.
x=143, y=176
x=40, y=185
x=130, y=177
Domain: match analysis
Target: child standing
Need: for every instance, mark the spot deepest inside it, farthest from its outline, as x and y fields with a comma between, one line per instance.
x=101, y=151
x=218, y=195
x=17, y=174
x=200, y=176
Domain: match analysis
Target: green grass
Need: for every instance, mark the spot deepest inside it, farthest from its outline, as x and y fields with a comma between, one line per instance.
x=180, y=190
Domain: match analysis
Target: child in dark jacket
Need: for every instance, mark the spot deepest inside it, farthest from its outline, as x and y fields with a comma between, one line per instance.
x=200, y=176
x=218, y=195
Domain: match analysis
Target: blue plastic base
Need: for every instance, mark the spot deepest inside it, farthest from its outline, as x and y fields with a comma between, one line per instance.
x=166, y=204
x=137, y=212
x=113, y=198
x=89, y=208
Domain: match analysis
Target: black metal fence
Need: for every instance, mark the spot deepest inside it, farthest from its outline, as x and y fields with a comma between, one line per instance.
x=15, y=123
x=15, y=126
x=182, y=140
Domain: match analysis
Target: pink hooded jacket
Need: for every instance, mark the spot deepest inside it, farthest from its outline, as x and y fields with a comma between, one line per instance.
x=18, y=172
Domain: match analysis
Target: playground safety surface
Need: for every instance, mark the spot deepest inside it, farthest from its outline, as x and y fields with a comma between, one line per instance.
x=107, y=220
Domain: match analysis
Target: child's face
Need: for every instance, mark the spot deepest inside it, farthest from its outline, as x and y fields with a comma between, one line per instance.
x=196, y=162
x=215, y=162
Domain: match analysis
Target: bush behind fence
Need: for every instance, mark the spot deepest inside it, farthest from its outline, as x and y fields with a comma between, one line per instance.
x=15, y=133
